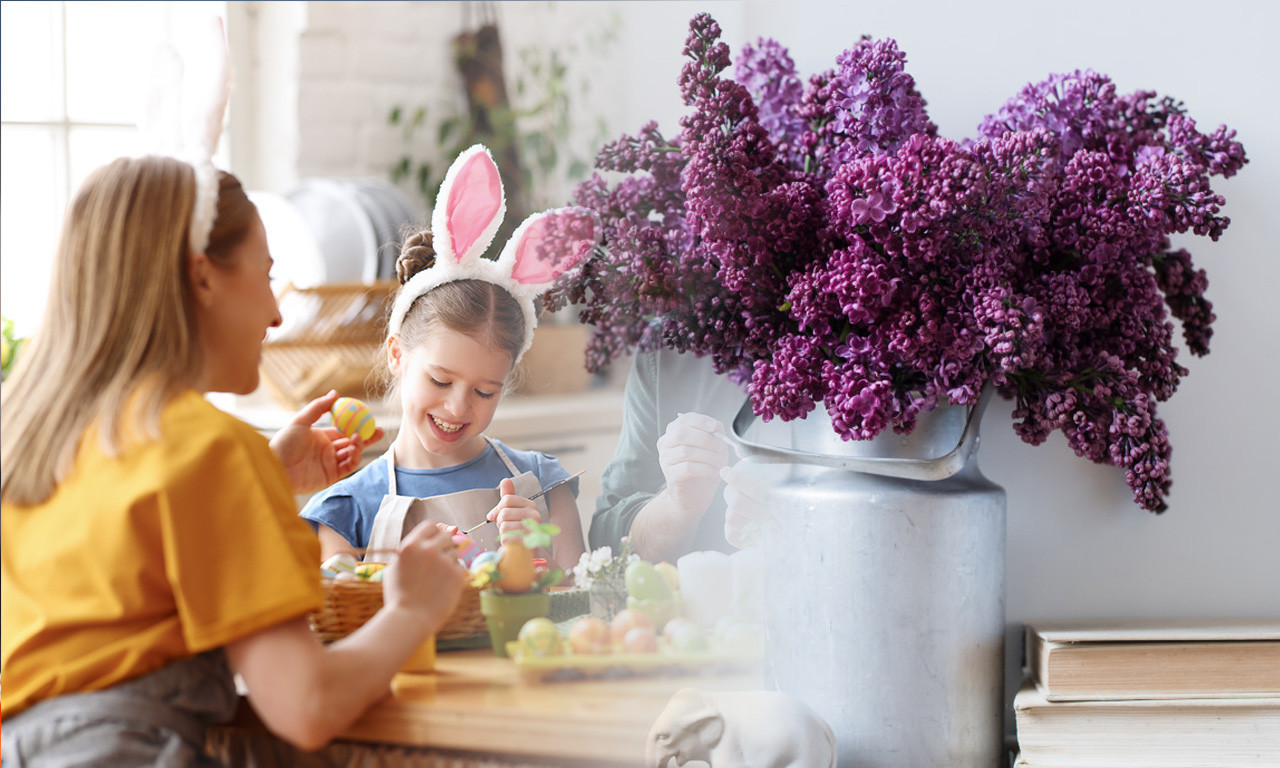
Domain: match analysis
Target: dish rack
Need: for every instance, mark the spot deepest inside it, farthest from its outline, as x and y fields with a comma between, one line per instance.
x=329, y=338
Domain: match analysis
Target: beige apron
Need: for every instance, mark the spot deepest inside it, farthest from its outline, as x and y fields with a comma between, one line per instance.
x=397, y=515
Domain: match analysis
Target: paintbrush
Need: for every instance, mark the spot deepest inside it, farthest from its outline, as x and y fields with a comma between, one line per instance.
x=537, y=495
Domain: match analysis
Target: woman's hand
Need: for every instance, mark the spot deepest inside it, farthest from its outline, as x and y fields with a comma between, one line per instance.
x=308, y=693
x=316, y=457
x=512, y=510
x=425, y=577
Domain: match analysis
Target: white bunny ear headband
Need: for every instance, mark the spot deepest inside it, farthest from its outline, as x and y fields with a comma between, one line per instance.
x=187, y=104
x=468, y=211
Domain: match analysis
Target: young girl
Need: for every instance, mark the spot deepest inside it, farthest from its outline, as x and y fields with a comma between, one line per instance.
x=150, y=542
x=458, y=327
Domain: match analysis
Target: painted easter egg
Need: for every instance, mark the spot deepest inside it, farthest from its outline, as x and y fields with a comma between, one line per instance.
x=369, y=570
x=353, y=417
x=481, y=559
x=539, y=637
x=343, y=561
x=468, y=550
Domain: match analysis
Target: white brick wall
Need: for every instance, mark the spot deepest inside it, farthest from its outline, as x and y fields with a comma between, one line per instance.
x=355, y=61
x=323, y=78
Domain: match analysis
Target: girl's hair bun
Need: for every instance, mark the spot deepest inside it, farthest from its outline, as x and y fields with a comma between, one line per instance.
x=416, y=254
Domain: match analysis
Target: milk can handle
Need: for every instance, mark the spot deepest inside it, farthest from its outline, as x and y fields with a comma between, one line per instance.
x=939, y=468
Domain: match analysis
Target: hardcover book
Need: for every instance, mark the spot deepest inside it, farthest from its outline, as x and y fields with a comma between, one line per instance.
x=1152, y=733
x=1076, y=661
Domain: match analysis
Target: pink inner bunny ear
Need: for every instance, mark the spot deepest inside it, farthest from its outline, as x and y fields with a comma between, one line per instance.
x=553, y=244
x=475, y=198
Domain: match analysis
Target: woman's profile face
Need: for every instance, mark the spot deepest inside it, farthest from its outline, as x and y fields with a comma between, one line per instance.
x=235, y=313
x=450, y=386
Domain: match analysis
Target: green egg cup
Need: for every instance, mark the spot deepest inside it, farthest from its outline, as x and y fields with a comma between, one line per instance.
x=506, y=614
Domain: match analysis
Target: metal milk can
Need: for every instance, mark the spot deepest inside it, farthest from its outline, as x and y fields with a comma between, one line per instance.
x=884, y=592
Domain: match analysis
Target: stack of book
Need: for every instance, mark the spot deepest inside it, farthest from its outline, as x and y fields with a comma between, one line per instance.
x=1185, y=694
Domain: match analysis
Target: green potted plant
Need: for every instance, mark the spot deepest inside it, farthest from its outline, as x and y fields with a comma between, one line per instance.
x=530, y=128
x=10, y=346
x=513, y=589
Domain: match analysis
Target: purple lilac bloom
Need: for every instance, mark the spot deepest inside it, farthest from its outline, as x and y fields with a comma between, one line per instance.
x=877, y=106
x=823, y=244
x=769, y=75
x=1130, y=171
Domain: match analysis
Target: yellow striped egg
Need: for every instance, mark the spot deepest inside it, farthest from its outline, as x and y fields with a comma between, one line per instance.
x=353, y=417
x=368, y=571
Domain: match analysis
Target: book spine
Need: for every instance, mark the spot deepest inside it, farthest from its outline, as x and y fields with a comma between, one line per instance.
x=1156, y=670
x=1181, y=733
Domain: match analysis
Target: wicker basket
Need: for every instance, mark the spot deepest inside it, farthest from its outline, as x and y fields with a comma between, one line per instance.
x=349, y=604
x=329, y=339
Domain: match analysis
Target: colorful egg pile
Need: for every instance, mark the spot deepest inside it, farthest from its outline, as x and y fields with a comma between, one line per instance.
x=353, y=417
x=344, y=567
x=468, y=549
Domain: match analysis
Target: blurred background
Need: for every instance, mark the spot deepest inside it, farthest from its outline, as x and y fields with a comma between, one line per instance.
x=345, y=115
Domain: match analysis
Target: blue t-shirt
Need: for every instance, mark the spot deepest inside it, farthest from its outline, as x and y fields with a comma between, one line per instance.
x=349, y=505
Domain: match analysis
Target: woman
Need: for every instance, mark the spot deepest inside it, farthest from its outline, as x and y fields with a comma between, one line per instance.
x=151, y=544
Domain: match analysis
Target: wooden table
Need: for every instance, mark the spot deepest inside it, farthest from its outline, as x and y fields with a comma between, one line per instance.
x=479, y=705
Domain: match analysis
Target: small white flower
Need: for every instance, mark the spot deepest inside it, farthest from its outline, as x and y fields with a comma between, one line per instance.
x=601, y=558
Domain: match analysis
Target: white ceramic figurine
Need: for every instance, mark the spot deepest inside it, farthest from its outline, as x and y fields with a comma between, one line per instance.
x=740, y=729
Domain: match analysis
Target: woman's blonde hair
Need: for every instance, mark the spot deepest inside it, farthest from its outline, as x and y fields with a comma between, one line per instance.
x=118, y=339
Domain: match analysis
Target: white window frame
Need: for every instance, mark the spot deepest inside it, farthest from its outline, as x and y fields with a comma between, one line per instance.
x=28, y=256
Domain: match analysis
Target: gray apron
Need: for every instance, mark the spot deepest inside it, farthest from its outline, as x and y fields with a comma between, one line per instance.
x=157, y=719
x=397, y=515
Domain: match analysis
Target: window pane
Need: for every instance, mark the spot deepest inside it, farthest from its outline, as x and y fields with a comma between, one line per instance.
x=88, y=148
x=112, y=50
x=105, y=63
x=189, y=17
x=110, y=47
x=31, y=61
x=31, y=205
x=191, y=21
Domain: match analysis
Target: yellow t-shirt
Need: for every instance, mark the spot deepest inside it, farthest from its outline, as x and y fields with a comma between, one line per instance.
x=175, y=547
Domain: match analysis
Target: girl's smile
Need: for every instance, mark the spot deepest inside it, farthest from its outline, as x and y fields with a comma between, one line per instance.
x=446, y=427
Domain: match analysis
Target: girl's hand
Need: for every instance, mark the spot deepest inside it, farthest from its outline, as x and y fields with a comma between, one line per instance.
x=512, y=510
x=316, y=457
x=425, y=577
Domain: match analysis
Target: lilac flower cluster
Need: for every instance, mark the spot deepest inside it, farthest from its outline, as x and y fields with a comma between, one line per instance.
x=769, y=75
x=822, y=243
x=1129, y=171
